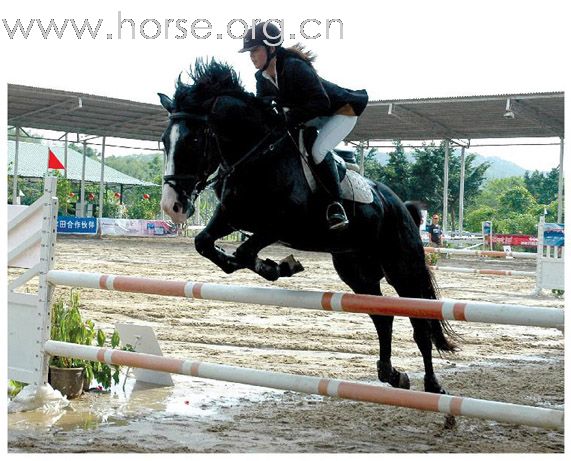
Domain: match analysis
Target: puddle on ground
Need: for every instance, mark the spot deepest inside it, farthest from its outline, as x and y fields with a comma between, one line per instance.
x=131, y=400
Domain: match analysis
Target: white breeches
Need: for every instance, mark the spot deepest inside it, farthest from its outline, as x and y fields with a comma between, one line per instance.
x=332, y=130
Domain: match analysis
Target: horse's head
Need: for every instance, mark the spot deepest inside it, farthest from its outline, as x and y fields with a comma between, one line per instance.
x=188, y=154
x=192, y=139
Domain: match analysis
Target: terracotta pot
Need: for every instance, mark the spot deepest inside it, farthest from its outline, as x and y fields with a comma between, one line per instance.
x=69, y=381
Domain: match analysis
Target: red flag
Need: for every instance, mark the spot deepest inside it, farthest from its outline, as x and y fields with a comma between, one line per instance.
x=53, y=162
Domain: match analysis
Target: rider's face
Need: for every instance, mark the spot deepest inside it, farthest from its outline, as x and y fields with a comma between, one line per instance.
x=258, y=56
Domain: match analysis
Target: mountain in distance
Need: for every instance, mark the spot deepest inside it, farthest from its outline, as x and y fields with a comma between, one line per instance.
x=499, y=168
x=136, y=164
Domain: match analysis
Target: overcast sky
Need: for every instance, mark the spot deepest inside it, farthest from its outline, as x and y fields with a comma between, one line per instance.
x=403, y=49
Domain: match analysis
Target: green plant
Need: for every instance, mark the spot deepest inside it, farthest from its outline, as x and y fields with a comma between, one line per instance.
x=432, y=258
x=68, y=326
x=14, y=387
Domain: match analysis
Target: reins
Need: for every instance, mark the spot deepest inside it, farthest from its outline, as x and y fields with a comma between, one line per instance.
x=226, y=170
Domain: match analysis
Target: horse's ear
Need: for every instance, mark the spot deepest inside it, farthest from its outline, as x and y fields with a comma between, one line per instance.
x=166, y=102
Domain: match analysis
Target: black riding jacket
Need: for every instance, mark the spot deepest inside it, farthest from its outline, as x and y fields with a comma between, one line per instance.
x=305, y=93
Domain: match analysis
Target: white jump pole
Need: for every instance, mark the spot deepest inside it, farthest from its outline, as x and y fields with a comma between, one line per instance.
x=442, y=403
x=493, y=254
x=467, y=270
x=469, y=311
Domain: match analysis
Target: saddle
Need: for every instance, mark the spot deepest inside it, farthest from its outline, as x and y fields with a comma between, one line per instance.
x=354, y=187
x=344, y=158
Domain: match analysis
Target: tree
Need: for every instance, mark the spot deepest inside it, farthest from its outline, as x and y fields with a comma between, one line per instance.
x=517, y=223
x=475, y=217
x=543, y=186
x=517, y=200
x=89, y=151
x=428, y=183
x=373, y=168
x=474, y=176
x=396, y=173
x=427, y=172
x=495, y=188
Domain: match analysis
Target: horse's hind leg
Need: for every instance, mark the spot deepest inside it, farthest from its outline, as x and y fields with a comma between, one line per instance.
x=414, y=282
x=247, y=255
x=363, y=275
x=385, y=370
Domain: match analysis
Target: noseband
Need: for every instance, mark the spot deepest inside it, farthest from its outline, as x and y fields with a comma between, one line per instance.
x=185, y=178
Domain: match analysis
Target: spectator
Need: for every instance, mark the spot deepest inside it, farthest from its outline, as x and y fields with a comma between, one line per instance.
x=435, y=232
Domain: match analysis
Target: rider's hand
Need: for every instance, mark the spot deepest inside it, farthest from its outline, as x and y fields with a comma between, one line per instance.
x=278, y=115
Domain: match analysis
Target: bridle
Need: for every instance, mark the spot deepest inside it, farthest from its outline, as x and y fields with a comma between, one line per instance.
x=181, y=179
x=225, y=170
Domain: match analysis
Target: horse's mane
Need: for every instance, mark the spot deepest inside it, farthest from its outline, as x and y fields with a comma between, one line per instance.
x=210, y=78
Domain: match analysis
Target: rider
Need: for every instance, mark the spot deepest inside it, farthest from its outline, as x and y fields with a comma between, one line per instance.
x=287, y=74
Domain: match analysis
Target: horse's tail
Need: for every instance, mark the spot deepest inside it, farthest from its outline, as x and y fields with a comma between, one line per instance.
x=441, y=333
x=414, y=208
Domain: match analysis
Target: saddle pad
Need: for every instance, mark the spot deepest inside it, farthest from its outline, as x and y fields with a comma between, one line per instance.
x=354, y=187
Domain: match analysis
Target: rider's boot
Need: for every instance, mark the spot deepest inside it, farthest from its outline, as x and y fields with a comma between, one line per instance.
x=329, y=181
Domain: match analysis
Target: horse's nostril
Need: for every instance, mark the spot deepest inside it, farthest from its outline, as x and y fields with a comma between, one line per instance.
x=176, y=207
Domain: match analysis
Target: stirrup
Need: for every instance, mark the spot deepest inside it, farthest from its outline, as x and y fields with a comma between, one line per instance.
x=336, y=220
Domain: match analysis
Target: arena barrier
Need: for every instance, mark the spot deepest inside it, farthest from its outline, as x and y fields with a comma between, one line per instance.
x=491, y=254
x=468, y=270
x=550, y=257
x=550, y=262
x=29, y=344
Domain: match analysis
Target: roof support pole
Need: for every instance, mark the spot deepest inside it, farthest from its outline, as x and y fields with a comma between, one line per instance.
x=102, y=179
x=65, y=157
x=164, y=163
x=560, y=188
x=362, y=157
x=445, y=188
x=15, y=193
x=462, y=178
x=82, y=187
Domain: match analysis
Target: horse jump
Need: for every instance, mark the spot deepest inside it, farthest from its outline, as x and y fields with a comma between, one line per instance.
x=549, y=268
x=470, y=311
x=468, y=270
x=492, y=254
x=442, y=403
x=30, y=346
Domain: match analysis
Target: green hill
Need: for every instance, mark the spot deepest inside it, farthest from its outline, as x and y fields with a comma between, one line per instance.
x=499, y=168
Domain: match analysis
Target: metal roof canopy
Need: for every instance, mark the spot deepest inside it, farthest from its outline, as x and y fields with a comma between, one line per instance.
x=71, y=112
x=471, y=117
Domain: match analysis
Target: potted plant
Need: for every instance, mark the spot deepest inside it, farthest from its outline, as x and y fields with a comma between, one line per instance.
x=72, y=376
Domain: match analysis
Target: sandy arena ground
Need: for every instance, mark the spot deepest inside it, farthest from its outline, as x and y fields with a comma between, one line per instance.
x=521, y=365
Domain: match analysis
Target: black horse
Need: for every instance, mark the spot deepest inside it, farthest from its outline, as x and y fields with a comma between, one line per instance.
x=214, y=125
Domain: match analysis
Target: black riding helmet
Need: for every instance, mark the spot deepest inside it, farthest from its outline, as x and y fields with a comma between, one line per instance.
x=264, y=34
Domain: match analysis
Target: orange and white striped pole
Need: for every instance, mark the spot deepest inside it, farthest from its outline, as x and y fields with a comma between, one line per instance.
x=447, y=404
x=510, y=314
x=493, y=254
x=468, y=270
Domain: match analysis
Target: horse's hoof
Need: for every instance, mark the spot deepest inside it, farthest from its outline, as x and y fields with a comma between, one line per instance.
x=403, y=382
x=432, y=385
x=388, y=374
x=289, y=266
x=268, y=269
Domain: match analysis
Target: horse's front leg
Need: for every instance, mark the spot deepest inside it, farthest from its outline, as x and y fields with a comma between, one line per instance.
x=204, y=243
x=247, y=254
